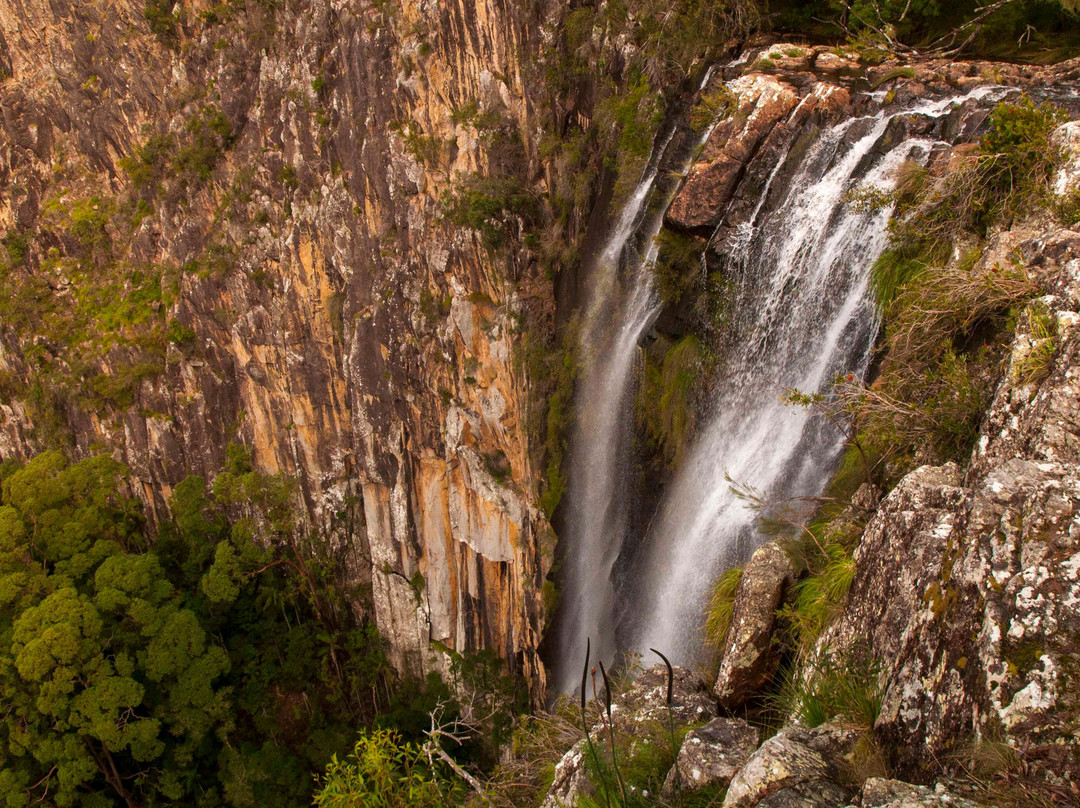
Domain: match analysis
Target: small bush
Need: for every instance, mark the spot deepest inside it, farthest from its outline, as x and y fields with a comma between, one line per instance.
x=163, y=23
x=209, y=136
x=492, y=206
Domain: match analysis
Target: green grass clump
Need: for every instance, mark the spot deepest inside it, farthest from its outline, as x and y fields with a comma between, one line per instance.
x=722, y=607
x=847, y=688
x=1035, y=367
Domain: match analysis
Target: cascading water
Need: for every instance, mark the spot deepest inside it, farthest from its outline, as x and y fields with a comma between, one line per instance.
x=804, y=314
x=621, y=306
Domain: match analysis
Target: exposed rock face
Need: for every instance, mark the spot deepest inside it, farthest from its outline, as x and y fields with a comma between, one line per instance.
x=761, y=101
x=328, y=319
x=710, y=755
x=749, y=655
x=966, y=586
x=797, y=767
x=642, y=710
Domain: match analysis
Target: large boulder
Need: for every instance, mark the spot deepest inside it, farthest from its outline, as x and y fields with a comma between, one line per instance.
x=641, y=712
x=712, y=754
x=749, y=655
x=798, y=767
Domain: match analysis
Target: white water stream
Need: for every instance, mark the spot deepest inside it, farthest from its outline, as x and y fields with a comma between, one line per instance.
x=621, y=306
x=804, y=315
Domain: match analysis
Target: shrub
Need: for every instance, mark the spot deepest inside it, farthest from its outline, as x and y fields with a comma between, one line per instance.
x=492, y=206
x=1007, y=175
x=163, y=23
x=209, y=135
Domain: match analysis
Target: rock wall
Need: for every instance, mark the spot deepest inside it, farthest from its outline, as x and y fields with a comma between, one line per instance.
x=967, y=583
x=320, y=310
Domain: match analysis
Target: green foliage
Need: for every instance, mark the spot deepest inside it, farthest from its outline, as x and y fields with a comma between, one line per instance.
x=199, y=669
x=721, y=607
x=383, y=771
x=559, y=417
x=894, y=269
x=629, y=121
x=678, y=265
x=146, y=166
x=1022, y=30
x=846, y=688
x=492, y=206
x=1042, y=345
x=209, y=134
x=163, y=24
x=664, y=401
x=1007, y=176
x=711, y=105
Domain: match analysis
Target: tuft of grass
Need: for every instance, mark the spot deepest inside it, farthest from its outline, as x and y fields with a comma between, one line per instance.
x=1034, y=368
x=845, y=688
x=722, y=606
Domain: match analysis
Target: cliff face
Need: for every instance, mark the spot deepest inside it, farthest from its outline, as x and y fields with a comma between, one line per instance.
x=229, y=230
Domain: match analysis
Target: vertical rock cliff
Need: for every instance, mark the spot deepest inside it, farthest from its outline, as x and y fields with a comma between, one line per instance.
x=246, y=222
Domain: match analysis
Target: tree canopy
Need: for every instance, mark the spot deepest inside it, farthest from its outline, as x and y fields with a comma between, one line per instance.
x=204, y=668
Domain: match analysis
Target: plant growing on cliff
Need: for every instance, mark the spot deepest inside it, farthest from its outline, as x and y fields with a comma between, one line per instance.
x=664, y=401
x=1005, y=176
x=495, y=207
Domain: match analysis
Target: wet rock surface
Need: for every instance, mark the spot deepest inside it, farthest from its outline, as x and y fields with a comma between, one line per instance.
x=748, y=659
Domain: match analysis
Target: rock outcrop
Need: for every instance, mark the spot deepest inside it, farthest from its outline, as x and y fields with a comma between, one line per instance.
x=748, y=659
x=797, y=767
x=966, y=584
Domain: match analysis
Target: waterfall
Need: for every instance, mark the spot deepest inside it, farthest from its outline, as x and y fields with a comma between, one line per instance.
x=621, y=305
x=803, y=314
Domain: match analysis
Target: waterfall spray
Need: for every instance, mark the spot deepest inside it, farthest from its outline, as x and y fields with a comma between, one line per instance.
x=804, y=314
x=621, y=306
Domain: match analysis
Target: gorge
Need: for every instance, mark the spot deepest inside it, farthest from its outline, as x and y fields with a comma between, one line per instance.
x=449, y=338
